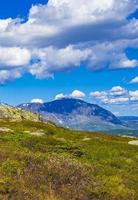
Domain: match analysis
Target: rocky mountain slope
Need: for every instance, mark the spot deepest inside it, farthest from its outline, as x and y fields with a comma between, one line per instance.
x=16, y=114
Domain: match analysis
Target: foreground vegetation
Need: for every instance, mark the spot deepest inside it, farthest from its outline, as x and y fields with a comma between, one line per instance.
x=44, y=162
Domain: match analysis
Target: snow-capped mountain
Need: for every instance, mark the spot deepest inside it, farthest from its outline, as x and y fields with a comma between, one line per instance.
x=75, y=113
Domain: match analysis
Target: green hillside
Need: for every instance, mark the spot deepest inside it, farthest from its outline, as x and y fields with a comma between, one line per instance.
x=43, y=162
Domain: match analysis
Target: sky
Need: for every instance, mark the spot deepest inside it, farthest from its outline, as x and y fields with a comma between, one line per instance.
x=55, y=49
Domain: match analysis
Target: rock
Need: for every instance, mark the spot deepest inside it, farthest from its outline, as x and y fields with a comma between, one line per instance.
x=86, y=139
x=133, y=142
x=37, y=133
x=15, y=114
x=4, y=129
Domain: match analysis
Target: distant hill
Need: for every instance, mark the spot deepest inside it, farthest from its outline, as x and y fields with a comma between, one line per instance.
x=16, y=114
x=128, y=118
x=75, y=114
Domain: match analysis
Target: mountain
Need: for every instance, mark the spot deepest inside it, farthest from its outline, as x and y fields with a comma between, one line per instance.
x=16, y=114
x=128, y=118
x=75, y=114
x=132, y=123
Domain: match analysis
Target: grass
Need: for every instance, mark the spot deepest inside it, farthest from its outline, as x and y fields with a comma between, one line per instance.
x=60, y=164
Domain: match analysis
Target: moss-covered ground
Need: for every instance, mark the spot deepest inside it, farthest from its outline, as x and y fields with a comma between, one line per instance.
x=44, y=162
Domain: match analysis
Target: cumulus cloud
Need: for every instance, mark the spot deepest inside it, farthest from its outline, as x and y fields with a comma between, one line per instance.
x=14, y=57
x=118, y=100
x=4, y=23
x=134, y=80
x=60, y=96
x=99, y=95
x=6, y=75
x=126, y=63
x=116, y=95
x=51, y=59
x=77, y=94
x=37, y=101
x=118, y=91
x=70, y=12
x=62, y=34
x=134, y=95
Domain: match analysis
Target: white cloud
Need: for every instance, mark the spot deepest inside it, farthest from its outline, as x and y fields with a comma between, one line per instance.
x=6, y=75
x=78, y=12
x=126, y=63
x=118, y=91
x=111, y=55
x=99, y=95
x=118, y=100
x=37, y=101
x=116, y=95
x=4, y=23
x=62, y=34
x=133, y=95
x=14, y=57
x=52, y=59
x=77, y=94
x=60, y=96
x=134, y=80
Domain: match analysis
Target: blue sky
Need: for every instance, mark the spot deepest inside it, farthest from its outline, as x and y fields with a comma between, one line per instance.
x=44, y=53
x=17, y=8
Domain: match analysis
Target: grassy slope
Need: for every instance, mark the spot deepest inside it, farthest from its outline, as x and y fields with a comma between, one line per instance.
x=65, y=165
